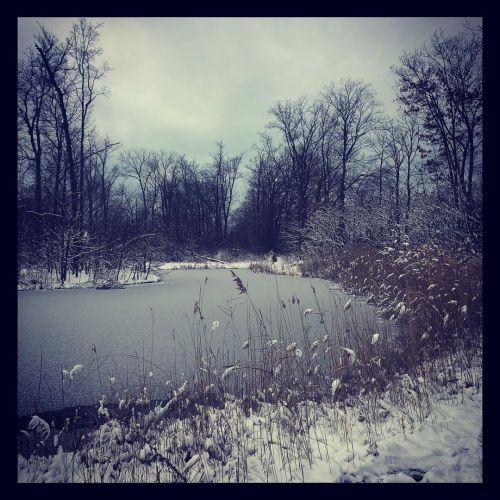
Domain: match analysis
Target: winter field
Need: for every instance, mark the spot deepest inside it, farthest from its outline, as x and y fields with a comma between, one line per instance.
x=376, y=441
x=232, y=268
x=280, y=379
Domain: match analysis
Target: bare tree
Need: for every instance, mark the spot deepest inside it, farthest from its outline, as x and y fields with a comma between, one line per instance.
x=84, y=52
x=353, y=104
x=54, y=56
x=397, y=157
x=442, y=82
x=32, y=91
x=410, y=141
x=136, y=164
x=299, y=123
x=225, y=172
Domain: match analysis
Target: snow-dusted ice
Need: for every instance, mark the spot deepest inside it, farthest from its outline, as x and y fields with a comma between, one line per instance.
x=66, y=323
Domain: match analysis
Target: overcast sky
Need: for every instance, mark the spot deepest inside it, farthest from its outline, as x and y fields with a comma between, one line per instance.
x=181, y=84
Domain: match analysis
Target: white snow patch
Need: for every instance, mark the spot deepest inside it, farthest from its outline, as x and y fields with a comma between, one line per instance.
x=75, y=370
x=40, y=426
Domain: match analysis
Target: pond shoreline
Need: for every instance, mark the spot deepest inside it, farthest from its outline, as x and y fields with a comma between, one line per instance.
x=160, y=271
x=371, y=387
x=127, y=316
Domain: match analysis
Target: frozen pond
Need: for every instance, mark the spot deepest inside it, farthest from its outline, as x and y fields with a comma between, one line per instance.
x=58, y=329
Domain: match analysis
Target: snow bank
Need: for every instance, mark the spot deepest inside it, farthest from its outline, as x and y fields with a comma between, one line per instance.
x=85, y=280
x=273, y=445
x=172, y=266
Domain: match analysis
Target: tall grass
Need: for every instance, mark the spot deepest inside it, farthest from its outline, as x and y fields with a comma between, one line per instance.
x=435, y=292
x=266, y=406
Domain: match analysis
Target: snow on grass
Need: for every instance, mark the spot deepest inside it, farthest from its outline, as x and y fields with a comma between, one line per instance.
x=33, y=279
x=127, y=277
x=172, y=266
x=85, y=280
x=40, y=426
x=279, y=265
x=272, y=445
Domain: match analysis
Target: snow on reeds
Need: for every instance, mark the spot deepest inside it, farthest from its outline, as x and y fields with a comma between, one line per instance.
x=437, y=301
x=40, y=426
x=297, y=394
x=240, y=441
x=75, y=370
x=282, y=265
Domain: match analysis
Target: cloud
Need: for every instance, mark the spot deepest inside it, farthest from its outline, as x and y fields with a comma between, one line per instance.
x=183, y=83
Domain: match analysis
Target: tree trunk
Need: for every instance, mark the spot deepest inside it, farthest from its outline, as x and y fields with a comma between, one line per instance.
x=408, y=199
x=67, y=135
x=342, y=225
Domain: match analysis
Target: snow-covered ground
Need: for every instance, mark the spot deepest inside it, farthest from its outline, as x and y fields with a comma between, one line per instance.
x=85, y=280
x=38, y=279
x=33, y=279
x=446, y=448
x=273, y=445
x=209, y=264
x=391, y=440
x=284, y=266
x=280, y=266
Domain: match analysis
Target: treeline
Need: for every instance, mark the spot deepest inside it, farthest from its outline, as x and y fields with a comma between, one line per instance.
x=338, y=170
x=84, y=203
x=327, y=172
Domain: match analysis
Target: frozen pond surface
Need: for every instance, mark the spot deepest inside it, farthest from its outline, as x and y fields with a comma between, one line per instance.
x=63, y=325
